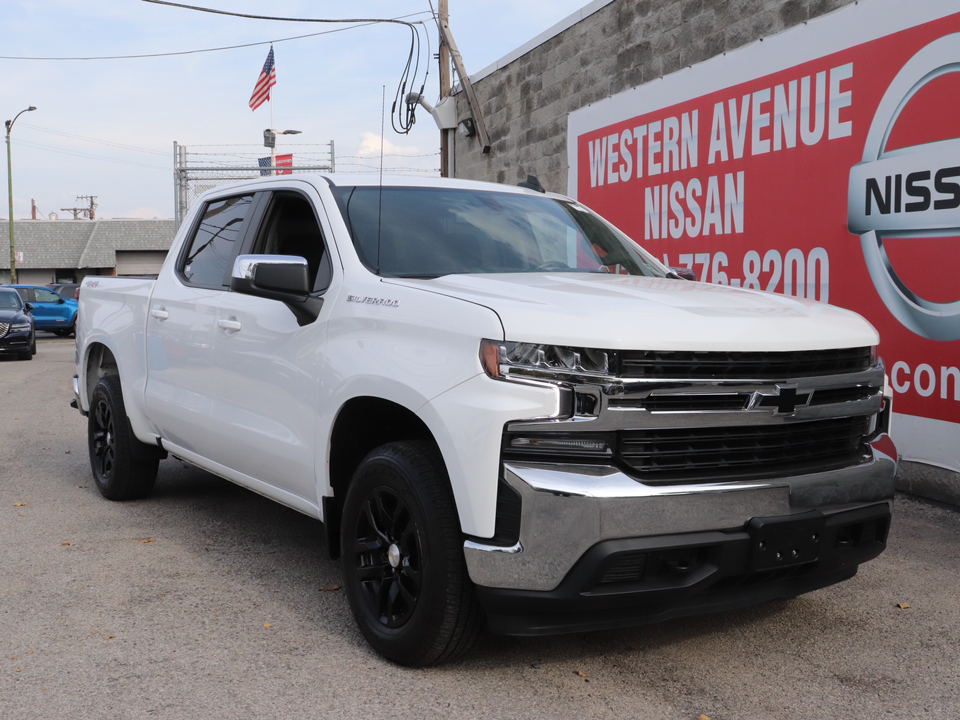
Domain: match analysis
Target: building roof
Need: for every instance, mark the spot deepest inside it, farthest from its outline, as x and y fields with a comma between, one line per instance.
x=84, y=243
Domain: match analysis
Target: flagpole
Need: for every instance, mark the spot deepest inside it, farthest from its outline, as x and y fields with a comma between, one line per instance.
x=273, y=128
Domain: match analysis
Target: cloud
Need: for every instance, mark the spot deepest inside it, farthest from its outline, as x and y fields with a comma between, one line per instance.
x=397, y=158
x=370, y=147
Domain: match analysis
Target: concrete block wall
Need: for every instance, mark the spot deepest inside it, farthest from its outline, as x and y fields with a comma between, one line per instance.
x=623, y=44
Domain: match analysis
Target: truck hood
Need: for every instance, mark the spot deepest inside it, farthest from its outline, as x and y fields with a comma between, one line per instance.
x=620, y=312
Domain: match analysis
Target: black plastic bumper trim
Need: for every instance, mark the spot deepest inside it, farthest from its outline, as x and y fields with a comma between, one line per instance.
x=681, y=575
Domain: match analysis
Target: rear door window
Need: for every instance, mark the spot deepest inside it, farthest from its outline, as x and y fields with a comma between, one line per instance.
x=211, y=251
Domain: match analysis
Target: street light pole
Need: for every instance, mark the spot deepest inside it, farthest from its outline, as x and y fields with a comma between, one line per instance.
x=13, y=252
x=270, y=141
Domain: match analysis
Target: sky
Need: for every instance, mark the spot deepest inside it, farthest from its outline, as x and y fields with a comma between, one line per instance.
x=107, y=128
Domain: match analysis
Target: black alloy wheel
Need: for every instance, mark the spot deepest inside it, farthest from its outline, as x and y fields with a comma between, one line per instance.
x=402, y=554
x=388, y=559
x=102, y=439
x=123, y=467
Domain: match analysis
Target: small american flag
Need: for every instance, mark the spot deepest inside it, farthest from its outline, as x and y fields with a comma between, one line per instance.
x=267, y=79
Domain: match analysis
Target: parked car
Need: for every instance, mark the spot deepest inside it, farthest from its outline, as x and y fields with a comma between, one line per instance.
x=51, y=311
x=17, y=333
x=68, y=291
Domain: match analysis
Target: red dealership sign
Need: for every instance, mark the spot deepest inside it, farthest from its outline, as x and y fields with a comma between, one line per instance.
x=823, y=163
x=284, y=161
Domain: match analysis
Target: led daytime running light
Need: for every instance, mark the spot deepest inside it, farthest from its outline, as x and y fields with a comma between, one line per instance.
x=562, y=443
x=498, y=358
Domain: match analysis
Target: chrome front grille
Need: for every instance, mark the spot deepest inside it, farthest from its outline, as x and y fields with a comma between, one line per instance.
x=714, y=416
x=4, y=329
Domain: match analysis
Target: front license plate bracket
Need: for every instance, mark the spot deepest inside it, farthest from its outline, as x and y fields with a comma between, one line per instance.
x=779, y=542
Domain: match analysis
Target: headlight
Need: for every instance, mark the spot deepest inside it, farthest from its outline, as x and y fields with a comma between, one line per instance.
x=20, y=327
x=515, y=360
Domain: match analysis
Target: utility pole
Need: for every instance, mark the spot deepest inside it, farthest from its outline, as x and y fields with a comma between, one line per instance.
x=443, y=16
x=90, y=214
x=87, y=212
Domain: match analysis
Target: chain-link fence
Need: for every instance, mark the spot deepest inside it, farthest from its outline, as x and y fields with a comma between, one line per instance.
x=191, y=181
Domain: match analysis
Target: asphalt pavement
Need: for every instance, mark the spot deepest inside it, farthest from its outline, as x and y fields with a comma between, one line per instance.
x=209, y=601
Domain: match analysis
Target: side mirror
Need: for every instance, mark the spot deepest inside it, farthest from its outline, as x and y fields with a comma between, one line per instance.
x=277, y=277
x=28, y=307
x=685, y=273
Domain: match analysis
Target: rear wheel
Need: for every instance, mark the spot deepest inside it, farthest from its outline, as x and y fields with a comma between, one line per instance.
x=402, y=554
x=123, y=467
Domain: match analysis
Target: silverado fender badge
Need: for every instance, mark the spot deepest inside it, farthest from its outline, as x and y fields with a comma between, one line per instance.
x=363, y=299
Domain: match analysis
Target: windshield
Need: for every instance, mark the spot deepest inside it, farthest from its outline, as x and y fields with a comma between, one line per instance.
x=9, y=301
x=429, y=232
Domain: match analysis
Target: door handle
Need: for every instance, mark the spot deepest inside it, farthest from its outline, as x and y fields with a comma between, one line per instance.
x=229, y=324
x=160, y=314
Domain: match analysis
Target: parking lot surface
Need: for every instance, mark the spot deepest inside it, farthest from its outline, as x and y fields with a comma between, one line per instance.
x=209, y=601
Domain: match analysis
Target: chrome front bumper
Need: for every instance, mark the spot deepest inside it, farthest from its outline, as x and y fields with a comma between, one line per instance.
x=568, y=509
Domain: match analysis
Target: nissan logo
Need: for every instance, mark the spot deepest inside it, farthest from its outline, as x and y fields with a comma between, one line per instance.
x=912, y=192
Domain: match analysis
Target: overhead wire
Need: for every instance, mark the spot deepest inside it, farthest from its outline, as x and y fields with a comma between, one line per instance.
x=405, y=116
x=110, y=143
x=75, y=153
x=209, y=50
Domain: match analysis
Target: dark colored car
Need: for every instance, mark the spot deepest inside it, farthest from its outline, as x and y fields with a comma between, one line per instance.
x=17, y=333
x=67, y=291
x=51, y=312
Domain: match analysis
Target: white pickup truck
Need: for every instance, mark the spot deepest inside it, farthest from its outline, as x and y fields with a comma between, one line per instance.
x=504, y=411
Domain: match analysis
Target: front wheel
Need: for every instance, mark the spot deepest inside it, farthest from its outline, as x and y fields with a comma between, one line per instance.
x=123, y=467
x=402, y=554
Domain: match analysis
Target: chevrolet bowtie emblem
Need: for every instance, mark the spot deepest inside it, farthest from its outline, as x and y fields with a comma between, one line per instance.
x=785, y=401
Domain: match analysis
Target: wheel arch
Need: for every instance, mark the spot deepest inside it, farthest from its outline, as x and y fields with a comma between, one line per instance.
x=99, y=361
x=363, y=424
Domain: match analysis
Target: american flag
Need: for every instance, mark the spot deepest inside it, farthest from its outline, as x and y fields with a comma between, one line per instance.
x=267, y=79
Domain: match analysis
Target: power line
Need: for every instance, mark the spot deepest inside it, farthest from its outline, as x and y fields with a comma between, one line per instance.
x=94, y=140
x=216, y=49
x=404, y=122
x=27, y=143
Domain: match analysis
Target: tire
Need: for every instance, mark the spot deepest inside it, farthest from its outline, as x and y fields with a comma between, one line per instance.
x=67, y=331
x=402, y=554
x=123, y=467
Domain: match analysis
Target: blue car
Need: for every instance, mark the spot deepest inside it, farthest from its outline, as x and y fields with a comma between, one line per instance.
x=51, y=311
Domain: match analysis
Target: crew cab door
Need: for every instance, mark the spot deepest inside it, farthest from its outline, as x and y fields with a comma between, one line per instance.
x=50, y=311
x=181, y=317
x=268, y=366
